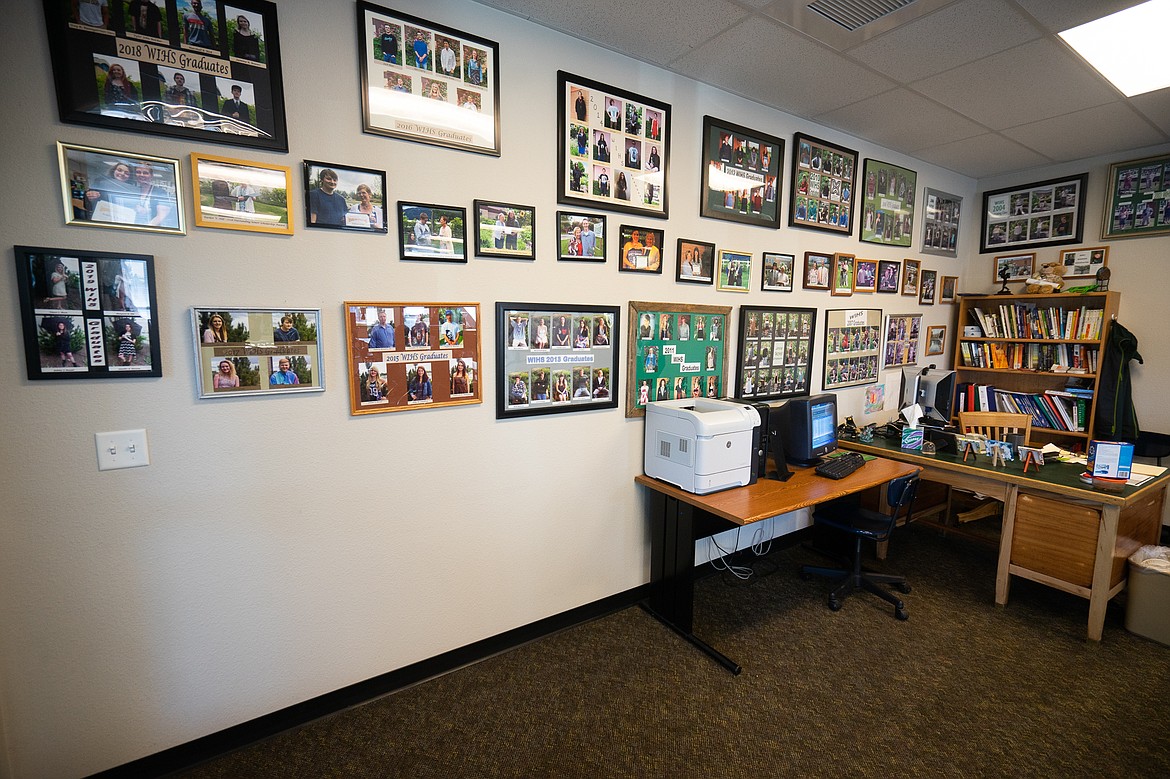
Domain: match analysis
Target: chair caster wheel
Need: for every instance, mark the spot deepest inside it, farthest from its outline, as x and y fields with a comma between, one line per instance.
x=902, y=588
x=901, y=614
x=834, y=604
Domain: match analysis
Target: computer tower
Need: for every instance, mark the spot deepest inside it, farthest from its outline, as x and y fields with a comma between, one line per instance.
x=759, y=438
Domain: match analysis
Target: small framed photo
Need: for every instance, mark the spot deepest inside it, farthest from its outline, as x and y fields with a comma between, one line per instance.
x=910, y=272
x=936, y=337
x=696, y=262
x=901, y=340
x=948, y=289
x=888, y=204
x=675, y=351
x=817, y=268
x=735, y=271
x=1043, y=213
x=431, y=232
x=865, y=276
x=926, y=291
x=1019, y=267
x=641, y=249
x=107, y=188
x=1136, y=200
x=1084, y=263
x=257, y=351
x=581, y=236
x=554, y=358
x=940, y=223
x=235, y=194
x=852, y=347
x=344, y=197
x=843, y=270
x=509, y=230
x=776, y=348
x=740, y=170
x=403, y=356
x=87, y=315
x=823, y=177
x=777, y=272
x=889, y=276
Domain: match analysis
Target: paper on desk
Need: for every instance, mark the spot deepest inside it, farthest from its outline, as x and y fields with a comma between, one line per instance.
x=912, y=414
x=1140, y=473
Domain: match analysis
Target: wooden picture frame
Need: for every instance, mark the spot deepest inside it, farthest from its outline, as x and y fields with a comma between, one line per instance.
x=504, y=230
x=818, y=270
x=233, y=194
x=439, y=86
x=257, y=351
x=911, y=270
x=123, y=190
x=776, y=348
x=591, y=248
x=865, y=274
x=948, y=287
x=1043, y=213
x=641, y=250
x=900, y=340
x=843, y=274
x=823, y=185
x=735, y=271
x=613, y=150
x=387, y=343
x=670, y=365
x=941, y=214
x=740, y=173
x=420, y=232
x=852, y=338
x=554, y=358
x=936, y=338
x=1020, y=266
x=334, y=197
x=87, y=314
x=695, y=263
x=219, y=87
x=889, y=276
x=1084, y=263
x=776, y=272
x=928, y=288
x=888, y=204
x=1137, y=198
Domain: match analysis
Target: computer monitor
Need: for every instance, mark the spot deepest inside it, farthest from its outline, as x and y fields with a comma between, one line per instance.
x=804, y=429
x=931, y=388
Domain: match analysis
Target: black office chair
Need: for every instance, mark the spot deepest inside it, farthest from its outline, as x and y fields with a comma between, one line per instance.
x=871, y=525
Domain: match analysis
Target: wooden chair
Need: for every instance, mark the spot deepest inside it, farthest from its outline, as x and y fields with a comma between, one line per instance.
x=996, y=425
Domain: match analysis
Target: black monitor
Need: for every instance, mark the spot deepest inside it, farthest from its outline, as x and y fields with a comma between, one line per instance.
x=804, y=429
x=931, y=388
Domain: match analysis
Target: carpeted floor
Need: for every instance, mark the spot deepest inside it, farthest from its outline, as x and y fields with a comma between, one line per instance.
x=962, y=689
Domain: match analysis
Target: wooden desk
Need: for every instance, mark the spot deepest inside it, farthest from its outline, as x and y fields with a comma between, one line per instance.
x=1057, y=530
x=676, y=515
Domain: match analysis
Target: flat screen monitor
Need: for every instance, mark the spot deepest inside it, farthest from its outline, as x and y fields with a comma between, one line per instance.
x=931, y=388
x=806, y=428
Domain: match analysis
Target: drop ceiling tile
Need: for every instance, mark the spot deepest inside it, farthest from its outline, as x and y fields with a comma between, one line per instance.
x=780, y=68
x=1035, y=81
x=982, y=156
x=1087, y=133
x=1061, y=15
x=955, y=35
x=1155, y=106
x=901, y=120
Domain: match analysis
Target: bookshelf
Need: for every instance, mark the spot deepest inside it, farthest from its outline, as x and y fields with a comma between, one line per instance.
x=1035, y=354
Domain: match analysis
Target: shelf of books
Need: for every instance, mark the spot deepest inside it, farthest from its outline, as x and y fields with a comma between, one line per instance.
x=1035, y=355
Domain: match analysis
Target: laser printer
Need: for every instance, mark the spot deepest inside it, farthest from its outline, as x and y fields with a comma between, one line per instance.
x=701, y=445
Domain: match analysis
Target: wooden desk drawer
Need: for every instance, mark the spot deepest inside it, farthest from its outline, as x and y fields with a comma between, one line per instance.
x=1055, y=538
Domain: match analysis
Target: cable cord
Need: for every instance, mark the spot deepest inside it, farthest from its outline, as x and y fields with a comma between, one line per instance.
x=719, y=562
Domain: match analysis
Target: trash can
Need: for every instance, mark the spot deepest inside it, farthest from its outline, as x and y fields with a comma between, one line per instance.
x=1147, y=611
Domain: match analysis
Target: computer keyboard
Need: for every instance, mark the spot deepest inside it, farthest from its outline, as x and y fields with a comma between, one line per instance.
x=841, y=466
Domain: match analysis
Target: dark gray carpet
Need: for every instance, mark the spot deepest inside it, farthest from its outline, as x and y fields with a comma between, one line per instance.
x=963, y=689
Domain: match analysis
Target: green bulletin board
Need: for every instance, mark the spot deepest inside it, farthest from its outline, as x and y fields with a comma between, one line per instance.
x=675, y=350
x=1138, y=202
x=887, y=203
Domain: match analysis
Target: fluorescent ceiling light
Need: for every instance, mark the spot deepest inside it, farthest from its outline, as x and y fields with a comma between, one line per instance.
x=1127, y=47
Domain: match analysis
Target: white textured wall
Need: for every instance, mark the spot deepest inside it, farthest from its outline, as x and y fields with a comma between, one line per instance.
x=278, y=549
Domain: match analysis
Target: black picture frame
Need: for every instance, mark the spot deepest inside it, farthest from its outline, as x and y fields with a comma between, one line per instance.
x=1043, y=213
x=584, y=121
x=152, y=100
x=685, y=268
x=555, y=358
x=777, y=272
x=764, y=333
x=514, y=238
x=823, y=191
x=88, y=298
x=733, y=158
x=411, y=245
x=567, y=221
x=399, y=94
x=350, y=179
x=636, y=256
x=889, y=277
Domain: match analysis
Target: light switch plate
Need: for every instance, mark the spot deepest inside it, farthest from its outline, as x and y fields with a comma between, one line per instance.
x=121, y=449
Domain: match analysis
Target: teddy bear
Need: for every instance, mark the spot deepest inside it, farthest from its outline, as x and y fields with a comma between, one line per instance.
x=1049, y=279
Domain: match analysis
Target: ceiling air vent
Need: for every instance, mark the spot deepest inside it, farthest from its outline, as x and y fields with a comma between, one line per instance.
x=854, y=14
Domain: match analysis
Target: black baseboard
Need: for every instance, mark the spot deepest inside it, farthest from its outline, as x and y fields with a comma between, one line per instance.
x=200, y=750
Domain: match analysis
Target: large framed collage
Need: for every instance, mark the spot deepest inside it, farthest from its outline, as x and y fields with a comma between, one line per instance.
x=741, y=168
x=675, y=350
x=852, y=340
x=776, y=347
x=1137, y=198
x=257, y=351
x=888, y=203
x=1044, y=213
x=823, y=178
